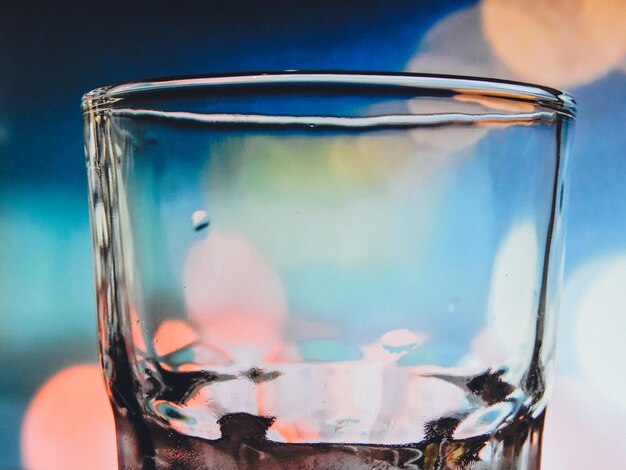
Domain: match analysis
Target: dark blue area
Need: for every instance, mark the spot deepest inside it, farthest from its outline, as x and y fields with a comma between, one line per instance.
x=58, y=51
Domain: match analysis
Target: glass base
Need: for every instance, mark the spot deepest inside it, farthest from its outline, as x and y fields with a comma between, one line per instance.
x=243, y=445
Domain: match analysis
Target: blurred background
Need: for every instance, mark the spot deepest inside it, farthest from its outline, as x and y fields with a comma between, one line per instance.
x=51, y=397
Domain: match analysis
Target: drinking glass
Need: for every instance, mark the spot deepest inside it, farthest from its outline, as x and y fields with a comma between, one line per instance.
x=327, y=270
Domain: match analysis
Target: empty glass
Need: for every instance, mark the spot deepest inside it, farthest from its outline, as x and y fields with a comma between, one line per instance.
x=327, y=270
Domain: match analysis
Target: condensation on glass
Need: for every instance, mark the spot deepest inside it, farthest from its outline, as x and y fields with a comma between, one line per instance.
x=328, y=270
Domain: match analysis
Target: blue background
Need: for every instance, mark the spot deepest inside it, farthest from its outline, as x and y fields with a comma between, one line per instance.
x=51, y=54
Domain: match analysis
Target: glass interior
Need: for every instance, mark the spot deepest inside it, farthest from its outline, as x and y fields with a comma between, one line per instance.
x=354, y=257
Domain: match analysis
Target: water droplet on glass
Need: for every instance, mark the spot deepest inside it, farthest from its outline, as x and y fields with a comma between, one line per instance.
x=200, y=220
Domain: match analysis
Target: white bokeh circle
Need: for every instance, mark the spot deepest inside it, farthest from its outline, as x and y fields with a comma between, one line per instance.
x=600, y=324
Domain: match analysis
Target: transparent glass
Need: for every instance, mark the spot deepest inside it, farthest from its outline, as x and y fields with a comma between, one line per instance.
x=327, y=270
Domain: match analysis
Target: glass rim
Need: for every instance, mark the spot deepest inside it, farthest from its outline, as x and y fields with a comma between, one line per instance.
x=560, y=101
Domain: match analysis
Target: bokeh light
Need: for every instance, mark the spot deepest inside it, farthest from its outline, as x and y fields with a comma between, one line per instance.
x=599, y=327
x=456, y=45
x=558, y=43
x=233, y=295
x=514, y=290
x=69, y=423
x=173, y=335
x=582, y=431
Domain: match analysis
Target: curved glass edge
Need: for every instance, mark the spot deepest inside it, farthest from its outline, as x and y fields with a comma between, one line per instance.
x=561, y=102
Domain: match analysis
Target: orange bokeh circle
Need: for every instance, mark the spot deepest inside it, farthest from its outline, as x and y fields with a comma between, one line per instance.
x=69, y=423
x=557, y=42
